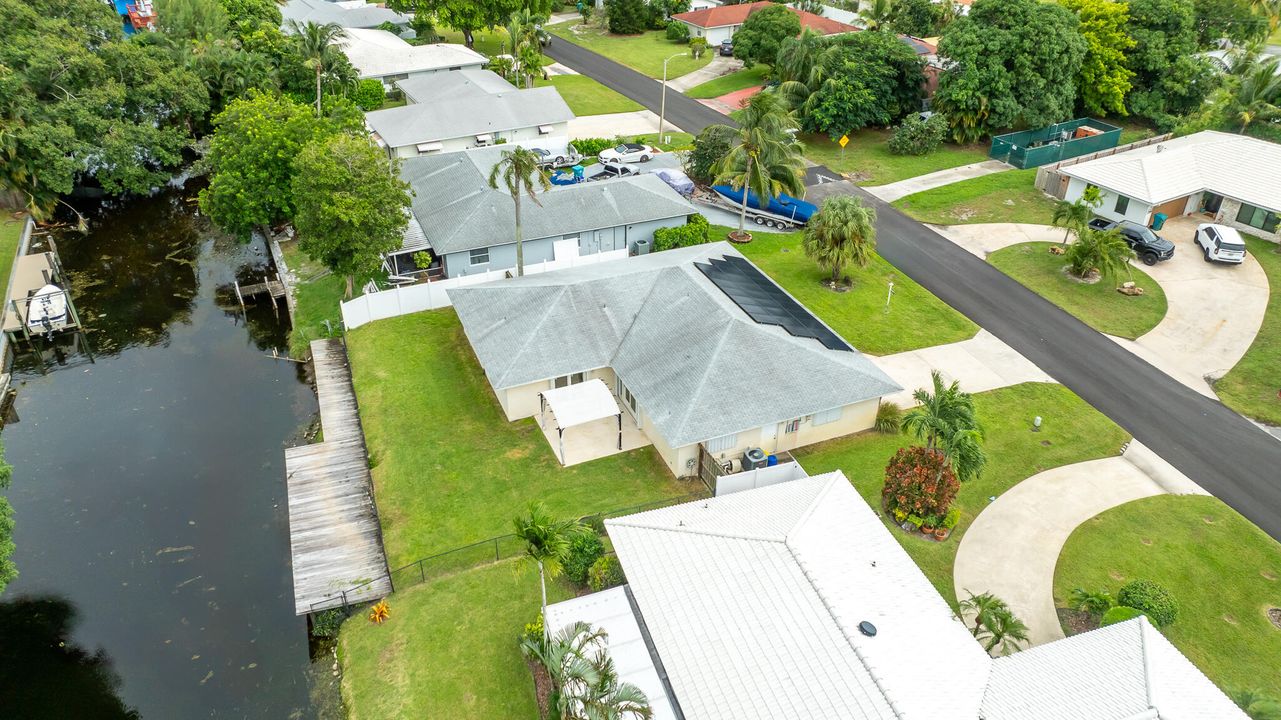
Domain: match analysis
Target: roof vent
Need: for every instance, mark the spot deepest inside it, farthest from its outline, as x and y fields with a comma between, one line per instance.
x=867, y=628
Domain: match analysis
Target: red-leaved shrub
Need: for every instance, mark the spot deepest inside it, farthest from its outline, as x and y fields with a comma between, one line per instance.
x=920, y=482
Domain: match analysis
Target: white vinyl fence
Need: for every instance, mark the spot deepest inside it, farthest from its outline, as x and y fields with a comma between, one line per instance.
x=760, y=477
x=429, y=296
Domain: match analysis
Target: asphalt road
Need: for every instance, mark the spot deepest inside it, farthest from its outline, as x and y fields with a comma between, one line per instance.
x=1223, y=452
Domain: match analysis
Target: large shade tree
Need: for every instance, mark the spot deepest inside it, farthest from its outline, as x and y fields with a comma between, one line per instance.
x=763, y=33
x=867, y=79
x=843, y=233
x=1171, y=79
x=1104, y=80
x=519, y=173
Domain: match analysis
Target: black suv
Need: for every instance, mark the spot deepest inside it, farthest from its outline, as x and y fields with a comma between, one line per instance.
x=1150, y=247
x=727, y=47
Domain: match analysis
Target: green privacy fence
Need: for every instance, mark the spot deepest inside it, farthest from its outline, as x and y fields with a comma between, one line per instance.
x=1050, y=144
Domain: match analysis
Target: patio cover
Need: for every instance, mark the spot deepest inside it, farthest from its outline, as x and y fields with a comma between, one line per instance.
x=579, y=404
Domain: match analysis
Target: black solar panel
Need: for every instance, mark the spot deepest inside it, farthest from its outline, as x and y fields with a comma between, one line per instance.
x=765, y=302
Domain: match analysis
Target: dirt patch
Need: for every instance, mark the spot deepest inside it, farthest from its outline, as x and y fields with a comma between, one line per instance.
x=1274, y=614
x=1091, y=278
x=517, y=453
x=542, y=687
x=1268, y=575
x=1046, y=443
x=1116, y=575
x=1208, y=519
x=839, y=286
x=1075, y=622
x=964, y=213
x=1146, y=541
x=1230, y=620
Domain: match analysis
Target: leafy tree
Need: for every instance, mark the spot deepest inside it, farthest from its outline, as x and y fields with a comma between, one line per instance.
x=710, y=146
x=466, y=16
x=843, y=233
x=918, y=137
x=876, y=14
x=251, y=161
x=352, y=206
x=1236, y=20
x=1258, y=705
x=1104, y=251
x=205, y=20
x=547, y=541
x=1071, y=216
x=948, y=422
x=1093, y=602
x=868, y=79
x=677, y=31
x=319, y=47
x=253, y=13
x=914, y=17
x=626, y=17
x=1013, y=62
x=763, y=158
x=763, y=32
x=520, y=173
x=1170, y=79
x=1104, y=80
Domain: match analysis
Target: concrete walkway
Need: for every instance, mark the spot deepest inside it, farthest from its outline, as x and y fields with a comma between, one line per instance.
x=720, y=65
x=981, y=363
x=640, y=122
x=894, y=191
x=1013, y=546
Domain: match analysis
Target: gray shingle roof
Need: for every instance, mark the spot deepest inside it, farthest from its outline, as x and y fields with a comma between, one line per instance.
x=469, y=114
x=459, y=211
x=698, y=365
x=468, y=82
x=322, y=11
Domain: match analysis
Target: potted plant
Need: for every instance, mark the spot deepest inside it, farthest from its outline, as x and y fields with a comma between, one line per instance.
x=950, y=520
x=929, y=523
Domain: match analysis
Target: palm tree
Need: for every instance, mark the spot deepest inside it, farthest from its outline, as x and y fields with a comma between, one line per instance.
x=1005, y=632
x=546, y=540
x=1256, y=91
x=1071, y=216
x=843, y=233
x=584, y=680
x=1093, y=602
x=318, y=45
x=606, y=698
x=527, y=53
x=1105, y=251
x=764, y=158
x=798, y=56
x=518, y=169
x=876, y=14
x=983, y=606
x=948, y=423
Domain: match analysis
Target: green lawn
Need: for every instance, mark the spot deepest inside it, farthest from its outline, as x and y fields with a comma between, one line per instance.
x=732, y=82
x=1004, y=197
x=1251, y=387
x=488, y=42
x=868, y=160
x=10, y=235
x=1224, y=571
x=449, y=469
x=585, y=96
x=1099, y=305
x=1071, y=432
x=916, y=318
x=643, y=53
x=316, y=297
x=449, y=649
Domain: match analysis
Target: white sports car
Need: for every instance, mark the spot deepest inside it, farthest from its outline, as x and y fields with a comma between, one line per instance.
x=628, y=153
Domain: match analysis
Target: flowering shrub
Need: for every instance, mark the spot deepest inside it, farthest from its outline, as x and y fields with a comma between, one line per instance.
x=919, y=481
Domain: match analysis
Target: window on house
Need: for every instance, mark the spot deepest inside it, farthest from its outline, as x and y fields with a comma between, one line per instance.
x=722, y=444
x=479, y=256
x=792, y=426
x=571, y=379
x=1257, y=217
x=394, y=78
x=827, y=416
x=1122, y=204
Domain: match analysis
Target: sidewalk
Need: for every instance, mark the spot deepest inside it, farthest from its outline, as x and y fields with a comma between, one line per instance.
x=929, y=181
x=980, y=363
x=720, y=65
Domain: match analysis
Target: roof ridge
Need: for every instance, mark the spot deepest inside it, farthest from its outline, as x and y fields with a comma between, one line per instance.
x=547, y=309
x=728, y=327
x=689, y=530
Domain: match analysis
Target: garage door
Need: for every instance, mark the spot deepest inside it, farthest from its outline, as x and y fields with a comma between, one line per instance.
x=1174, y=208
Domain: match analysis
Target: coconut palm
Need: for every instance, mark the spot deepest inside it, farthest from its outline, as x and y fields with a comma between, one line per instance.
x=876, y=14
x=546, y=540
x=1255, y=91
x=1071, y=216
x=798, y=56
x=521, y=175
x=842, y=233
x=1104, y=251
x=764, y=159
x=1004, y=632
x=319, y=47
x=983, y=606
x=946, y=420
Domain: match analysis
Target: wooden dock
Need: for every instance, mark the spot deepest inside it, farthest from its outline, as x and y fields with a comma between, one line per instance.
x=273, y=288
x=334, y=534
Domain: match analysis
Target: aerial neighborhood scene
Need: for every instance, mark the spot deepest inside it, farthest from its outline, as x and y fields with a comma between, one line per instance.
x=640, y=359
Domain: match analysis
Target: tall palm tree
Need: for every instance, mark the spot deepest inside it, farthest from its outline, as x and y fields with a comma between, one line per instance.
x=1256, y=92
x=843, y=233
x=546, y=540
x=798, y=56
x=948, y=423
x=876, y=14
x=1005, y=633
x=1105, y=251
x=764, y=159
x=319, y=46
x=521, y=175
x=1071, y=216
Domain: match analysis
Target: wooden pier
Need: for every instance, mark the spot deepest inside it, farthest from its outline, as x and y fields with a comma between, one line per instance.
x=272, y=288
x=334, y=534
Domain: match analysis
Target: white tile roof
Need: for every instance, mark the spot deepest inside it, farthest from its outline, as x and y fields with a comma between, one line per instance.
x=612, y=611
x=378, y=53
x=1236, y=166
x=753, y=602
x=347, y=14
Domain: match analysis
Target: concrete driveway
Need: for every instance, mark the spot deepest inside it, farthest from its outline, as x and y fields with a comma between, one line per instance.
x=640, y=122
x=981, y=363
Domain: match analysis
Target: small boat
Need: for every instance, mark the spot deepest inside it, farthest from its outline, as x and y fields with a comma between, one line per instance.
x=47, y=309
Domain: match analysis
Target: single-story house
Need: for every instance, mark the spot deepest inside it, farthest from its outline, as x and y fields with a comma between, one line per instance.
x=706, y=354
x=346, y=14
x=381, y=55
x=469, y=227
x=1233, y=178
x=721, y=22
x=793, y=601
x=466, y=109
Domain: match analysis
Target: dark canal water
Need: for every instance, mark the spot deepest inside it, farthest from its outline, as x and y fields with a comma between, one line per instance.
x=148, y=487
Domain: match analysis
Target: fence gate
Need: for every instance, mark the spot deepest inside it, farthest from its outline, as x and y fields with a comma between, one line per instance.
x=709, y=468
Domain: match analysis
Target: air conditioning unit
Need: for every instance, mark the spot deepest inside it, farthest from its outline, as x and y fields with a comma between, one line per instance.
x=753, y=459
x=642, y=247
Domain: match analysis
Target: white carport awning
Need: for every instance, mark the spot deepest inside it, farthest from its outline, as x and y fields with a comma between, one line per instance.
x=581, y=403
x=545, y=129
x=429, y=147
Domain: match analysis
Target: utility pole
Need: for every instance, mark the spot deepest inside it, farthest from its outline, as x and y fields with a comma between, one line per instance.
x=662, y=105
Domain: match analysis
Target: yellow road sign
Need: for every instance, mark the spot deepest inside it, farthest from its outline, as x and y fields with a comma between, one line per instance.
x=845, y=140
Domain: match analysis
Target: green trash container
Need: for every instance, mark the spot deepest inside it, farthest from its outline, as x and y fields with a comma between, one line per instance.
x=1158, y=221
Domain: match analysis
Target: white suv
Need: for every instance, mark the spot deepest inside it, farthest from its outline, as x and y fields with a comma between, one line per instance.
x=1220, y=243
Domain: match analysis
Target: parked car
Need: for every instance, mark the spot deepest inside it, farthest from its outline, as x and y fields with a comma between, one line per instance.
x=1150, y=247
x=628, y=152
x=608, y=172
x=1220, y=243
x=727, y=47
x=568, y=157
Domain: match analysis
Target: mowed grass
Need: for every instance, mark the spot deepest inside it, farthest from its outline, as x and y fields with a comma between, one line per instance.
x=448, y=467
x=1004, y=197
x=916, y=318
x=643, y=53
x=730, y=82
x=585, y=96
x=316, y=299
x=1071, y=432
x=1099, y=305
x=1224, y=572
x=10, y=236
x=868, y=160
x=1251, y=388
x=449, y=649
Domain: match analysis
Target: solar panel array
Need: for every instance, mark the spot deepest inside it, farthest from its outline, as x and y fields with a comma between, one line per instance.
x=765, y=302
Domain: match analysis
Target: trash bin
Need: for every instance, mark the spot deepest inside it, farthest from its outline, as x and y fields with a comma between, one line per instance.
x=1158, y=221
x=578, y=172
x=771, y=461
